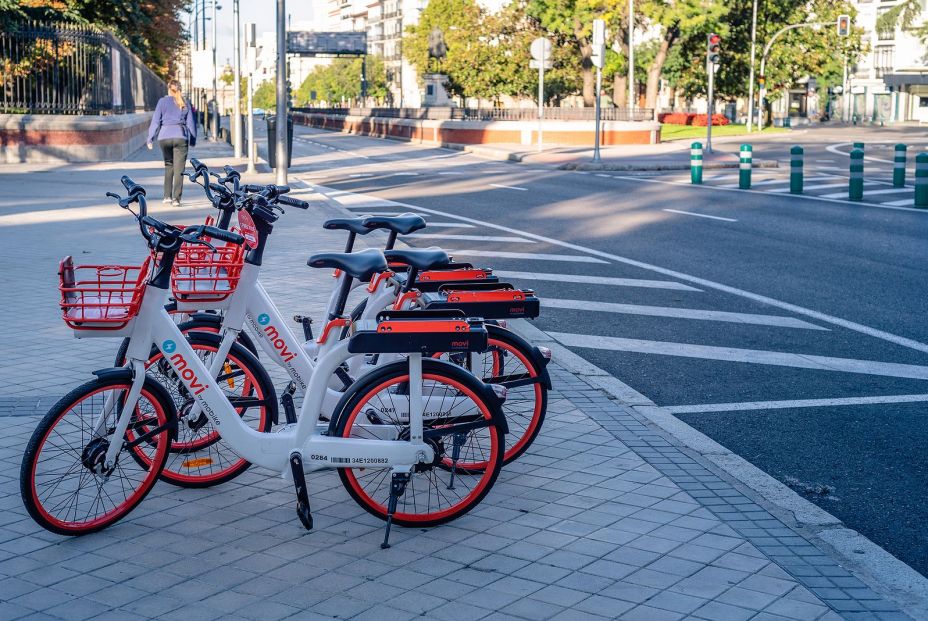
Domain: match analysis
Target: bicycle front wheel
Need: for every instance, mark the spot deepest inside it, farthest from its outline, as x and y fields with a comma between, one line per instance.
x=63, y=480
x=459, y=426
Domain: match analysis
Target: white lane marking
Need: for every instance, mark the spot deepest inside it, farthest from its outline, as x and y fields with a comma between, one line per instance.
x=796, y=403
x=405, y=174
x=359, y=175
x=568, y=258
x=833, y=148
x=822, y=186
x=779, y=181
x=457, y=225
x=699, y=215
x=452, y=237
x=794, y=308
x=450, y=173
x=509, y=187
x=604, y=175
x=681, y=313
x=598, y=280
x=750, y=356
x=902, y=203
x=870, y=192
x=398, y=213
x=825, y=161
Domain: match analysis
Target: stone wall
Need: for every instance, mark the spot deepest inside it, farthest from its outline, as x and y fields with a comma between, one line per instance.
x=65, y=138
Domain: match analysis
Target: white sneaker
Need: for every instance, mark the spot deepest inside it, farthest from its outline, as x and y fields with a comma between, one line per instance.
x=175, y=203
x=166, y=201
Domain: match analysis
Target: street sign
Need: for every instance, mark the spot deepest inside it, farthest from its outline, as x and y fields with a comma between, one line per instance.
x=537, y=64
x=327, y=43
x=541, y=49
x=599, y=43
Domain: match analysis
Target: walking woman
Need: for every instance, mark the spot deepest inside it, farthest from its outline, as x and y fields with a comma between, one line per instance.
x=176, y=130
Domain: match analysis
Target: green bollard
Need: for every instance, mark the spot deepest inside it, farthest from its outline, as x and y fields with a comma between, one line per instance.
x=856, y=181
x=795, y=170
x=696, y=163
x=744, y=168
x=921, y=181
x=899, y=167
x=859, y=145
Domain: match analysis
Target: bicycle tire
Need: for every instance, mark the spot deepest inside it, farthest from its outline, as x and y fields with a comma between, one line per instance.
x=419, y=511
x=87, y=453
x=193, y=463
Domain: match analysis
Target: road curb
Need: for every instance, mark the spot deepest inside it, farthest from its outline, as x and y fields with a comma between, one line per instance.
x=886, y=574
x=665, y=166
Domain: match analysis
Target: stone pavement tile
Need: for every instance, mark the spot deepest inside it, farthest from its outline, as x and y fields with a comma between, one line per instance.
x=603, y=606
x=648, y=613
x=79, y=610
x=717, y=611
x=676, y=602
x=532, y=609
x=382, y=612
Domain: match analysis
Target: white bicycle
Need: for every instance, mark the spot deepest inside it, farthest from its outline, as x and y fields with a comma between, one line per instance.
x=99, y=451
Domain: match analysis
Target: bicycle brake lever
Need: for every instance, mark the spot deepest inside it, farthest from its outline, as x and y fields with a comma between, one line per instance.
x=114, y=195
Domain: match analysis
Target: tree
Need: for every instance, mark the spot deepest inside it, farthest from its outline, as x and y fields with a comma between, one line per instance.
x=341, y=81
x=265, y=96
x=152, y=29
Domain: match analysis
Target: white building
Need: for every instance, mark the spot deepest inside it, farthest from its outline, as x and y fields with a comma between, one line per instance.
x=891, y=82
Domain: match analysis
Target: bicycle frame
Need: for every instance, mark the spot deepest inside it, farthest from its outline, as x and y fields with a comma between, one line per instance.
x=270, y=450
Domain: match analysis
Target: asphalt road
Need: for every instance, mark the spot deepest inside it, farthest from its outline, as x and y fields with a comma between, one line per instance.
x=791, y=330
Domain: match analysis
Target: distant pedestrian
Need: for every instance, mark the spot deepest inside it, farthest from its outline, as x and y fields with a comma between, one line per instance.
x=176, y=130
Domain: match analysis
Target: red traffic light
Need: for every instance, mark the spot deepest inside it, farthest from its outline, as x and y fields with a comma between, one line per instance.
x=714, y=39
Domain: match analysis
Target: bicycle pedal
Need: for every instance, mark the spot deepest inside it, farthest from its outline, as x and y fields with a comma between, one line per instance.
x=302, y=495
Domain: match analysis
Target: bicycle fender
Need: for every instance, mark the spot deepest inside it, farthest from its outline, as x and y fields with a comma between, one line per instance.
x=125, y=373
x=541, y=361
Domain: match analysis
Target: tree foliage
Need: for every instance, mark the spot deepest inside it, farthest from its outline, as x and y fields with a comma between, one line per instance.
x=340, y=82
x=152, y=29
x=486, y=54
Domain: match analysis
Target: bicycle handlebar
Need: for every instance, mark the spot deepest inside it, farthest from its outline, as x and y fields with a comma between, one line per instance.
x=293, y=202
x=215, y=233
x=197, y=165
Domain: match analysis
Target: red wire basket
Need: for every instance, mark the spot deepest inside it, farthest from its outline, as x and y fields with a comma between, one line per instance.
x=204, y=275
x=100, y=297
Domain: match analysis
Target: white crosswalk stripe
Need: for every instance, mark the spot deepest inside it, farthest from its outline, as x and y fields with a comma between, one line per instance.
x=568, y=258
x=486, y=238
x=750, y=356
x=869, y=193
x=808, y=188
x=597, y=280
x=680, y=313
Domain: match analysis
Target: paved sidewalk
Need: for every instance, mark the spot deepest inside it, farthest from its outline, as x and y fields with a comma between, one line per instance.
x=604, y=517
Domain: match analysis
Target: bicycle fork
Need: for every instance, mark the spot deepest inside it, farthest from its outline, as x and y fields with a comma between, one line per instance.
x=122, y=423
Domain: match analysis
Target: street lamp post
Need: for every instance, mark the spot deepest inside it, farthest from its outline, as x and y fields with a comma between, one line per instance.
x=763, y=61
x=282, y=162
x=751, y=77
x=631, y=57
x=214, y=121
x=237, y=87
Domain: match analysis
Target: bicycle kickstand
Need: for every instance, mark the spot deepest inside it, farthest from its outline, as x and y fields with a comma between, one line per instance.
x=457, y=441
x=397, y=487
x=286, y=400
x=302, y=496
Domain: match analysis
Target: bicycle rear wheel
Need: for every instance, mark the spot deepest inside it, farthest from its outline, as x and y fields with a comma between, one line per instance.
x=468, y=456
x=63, y=482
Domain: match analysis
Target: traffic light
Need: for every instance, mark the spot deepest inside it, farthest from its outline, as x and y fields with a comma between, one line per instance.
x=762, y=82
x=844, y=25
x=714, y=48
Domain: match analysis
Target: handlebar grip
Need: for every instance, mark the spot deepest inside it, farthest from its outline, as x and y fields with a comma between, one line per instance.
x=293, y=202
x=131, y=186
x=197, y=164
x=281, y=189
x=215, y=187
x=223, y=235
x=250, y=187
x=231, y=172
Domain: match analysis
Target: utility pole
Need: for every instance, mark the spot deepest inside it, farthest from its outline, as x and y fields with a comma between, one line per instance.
x=631, y=58
x=751, y=78
x=282, y=162
x=215, y=120
x=599, y=54
x=250, y=52
x=237, y=86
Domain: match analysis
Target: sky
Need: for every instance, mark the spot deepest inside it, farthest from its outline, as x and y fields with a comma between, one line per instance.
x=262, y=12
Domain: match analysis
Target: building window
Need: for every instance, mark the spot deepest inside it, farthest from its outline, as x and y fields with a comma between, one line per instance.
x=923, y=102
x=883, y=60
x=430, y=90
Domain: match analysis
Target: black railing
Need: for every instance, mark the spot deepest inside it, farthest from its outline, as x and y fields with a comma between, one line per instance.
x=490, y=114
x=61, y=68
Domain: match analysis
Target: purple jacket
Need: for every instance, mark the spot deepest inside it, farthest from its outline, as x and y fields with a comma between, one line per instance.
x=171, y=121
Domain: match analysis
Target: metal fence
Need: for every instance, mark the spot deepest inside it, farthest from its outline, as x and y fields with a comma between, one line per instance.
x=490, y=114
x=62, y=68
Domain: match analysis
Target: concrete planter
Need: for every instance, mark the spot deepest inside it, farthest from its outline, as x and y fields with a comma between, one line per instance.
x=61, y=138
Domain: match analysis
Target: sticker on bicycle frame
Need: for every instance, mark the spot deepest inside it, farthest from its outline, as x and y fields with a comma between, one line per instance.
x=264, y=319
x=168, y=346
x=247, y=228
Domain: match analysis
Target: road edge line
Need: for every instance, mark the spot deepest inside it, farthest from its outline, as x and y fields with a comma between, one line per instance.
x=886, y=574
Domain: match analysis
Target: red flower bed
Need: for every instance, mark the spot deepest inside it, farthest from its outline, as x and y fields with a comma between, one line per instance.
x=691, y=118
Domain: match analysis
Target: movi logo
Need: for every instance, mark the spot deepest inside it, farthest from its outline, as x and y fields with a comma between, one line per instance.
x=273, y=336
x=183, y=369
